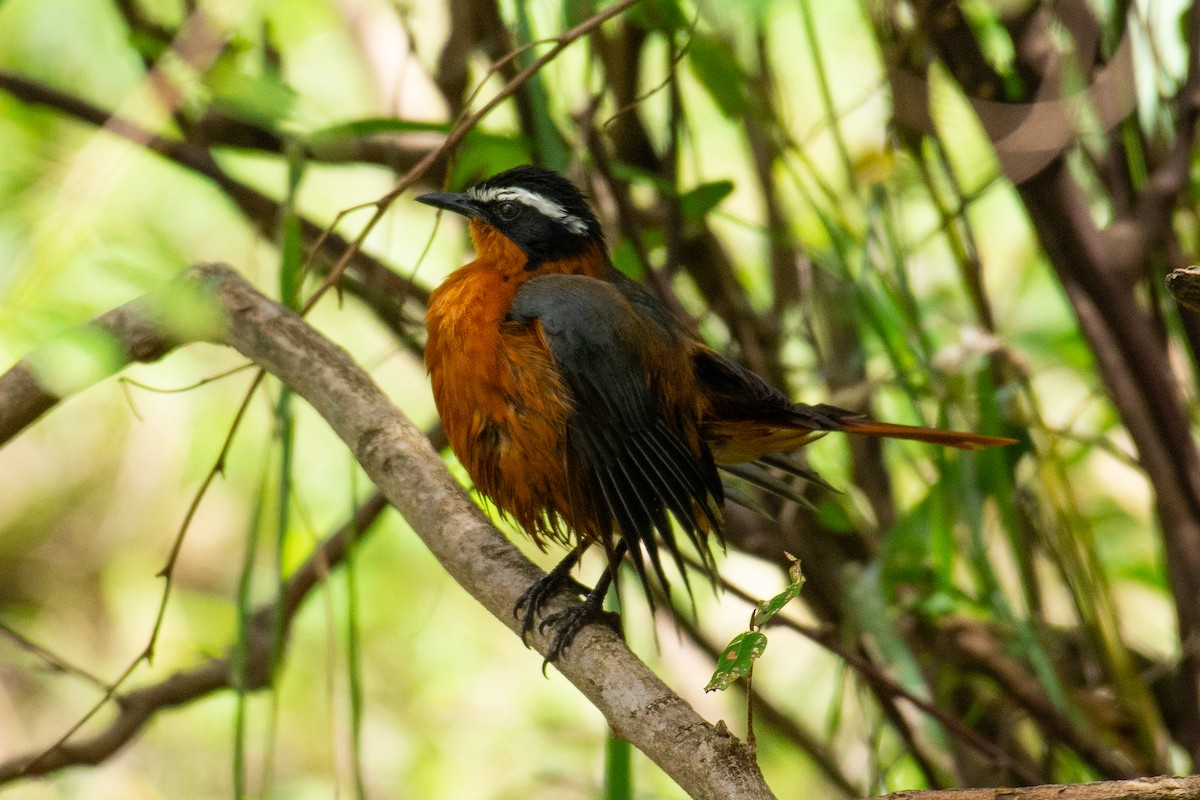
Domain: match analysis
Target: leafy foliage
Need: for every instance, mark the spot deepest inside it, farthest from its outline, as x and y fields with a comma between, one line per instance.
x=851, y=199
x=738, y=657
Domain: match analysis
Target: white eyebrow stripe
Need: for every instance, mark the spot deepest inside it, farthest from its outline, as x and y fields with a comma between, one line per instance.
x=534, y=200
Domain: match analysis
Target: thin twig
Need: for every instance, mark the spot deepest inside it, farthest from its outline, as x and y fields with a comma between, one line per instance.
x=137, y=708
x=52, y=659
x=457, y=134
x=1160, y=788
x=379, y=286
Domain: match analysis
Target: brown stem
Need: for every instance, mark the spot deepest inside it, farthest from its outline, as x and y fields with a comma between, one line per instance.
x=383, y=289
x=141, y=330
x=137, y=708
x=1162, y=788
x=705, y=761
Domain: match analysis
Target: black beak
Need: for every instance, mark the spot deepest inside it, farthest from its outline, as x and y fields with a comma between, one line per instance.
x=451, y=201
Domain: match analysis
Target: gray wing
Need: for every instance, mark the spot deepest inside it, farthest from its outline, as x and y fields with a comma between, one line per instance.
x=633, y=459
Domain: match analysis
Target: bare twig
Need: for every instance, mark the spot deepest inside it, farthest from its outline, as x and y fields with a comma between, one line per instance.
x=138, y=707
x=381, y=288
x=141, y=330
x=705, y=761
x=1162, y=788
x=50, y=658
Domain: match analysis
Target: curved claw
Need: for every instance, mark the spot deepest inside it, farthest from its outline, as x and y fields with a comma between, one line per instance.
x=530, y=603
x=571, y=621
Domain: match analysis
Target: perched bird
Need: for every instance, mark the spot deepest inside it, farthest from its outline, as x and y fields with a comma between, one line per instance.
x=583, y=408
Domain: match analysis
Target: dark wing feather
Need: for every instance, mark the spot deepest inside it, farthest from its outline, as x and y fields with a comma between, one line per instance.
x=739, y=394
x=623, y=445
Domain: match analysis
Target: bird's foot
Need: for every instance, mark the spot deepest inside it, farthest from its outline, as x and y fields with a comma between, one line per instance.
x=529, y=604
x=568, y=622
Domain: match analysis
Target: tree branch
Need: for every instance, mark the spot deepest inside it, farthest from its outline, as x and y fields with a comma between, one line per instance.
x=141, y=329
x=1162, y=788
x=705, y=760
x=137, y=708
x=378, y=286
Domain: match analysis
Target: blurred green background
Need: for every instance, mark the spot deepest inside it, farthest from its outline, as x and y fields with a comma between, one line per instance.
x=744, y=152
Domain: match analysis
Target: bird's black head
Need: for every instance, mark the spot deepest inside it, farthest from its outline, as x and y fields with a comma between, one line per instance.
x=540, y=211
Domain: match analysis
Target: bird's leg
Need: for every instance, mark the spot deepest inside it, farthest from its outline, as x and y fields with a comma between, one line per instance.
x=570, y=621
x=530, y=603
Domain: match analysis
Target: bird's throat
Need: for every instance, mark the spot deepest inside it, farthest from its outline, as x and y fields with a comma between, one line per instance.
x=509, y=261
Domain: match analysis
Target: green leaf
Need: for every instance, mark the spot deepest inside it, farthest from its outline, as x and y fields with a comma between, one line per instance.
x=664, y=16
x=718, y=70
x=865, y=601
x=995, y=41
x=737, y=660
x=76, y=359
x=484, y=153
x=966, y=139
x=642, y=177
x=548, y=146
x=695, y=203
x=625, y=259
x=769, y=608
x=919, y=551
x=264, y=98
x=146, y=45
x=372, y=126
x=291, y=268
x=834, y=516
x=292, y=261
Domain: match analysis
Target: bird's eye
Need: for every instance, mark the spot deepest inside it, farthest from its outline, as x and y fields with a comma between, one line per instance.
x=508, y=210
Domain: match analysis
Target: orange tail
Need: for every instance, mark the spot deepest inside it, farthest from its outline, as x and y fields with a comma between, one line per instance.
x=963, y=441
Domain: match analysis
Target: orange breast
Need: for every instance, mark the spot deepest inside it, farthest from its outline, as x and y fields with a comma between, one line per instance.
x=500, y=398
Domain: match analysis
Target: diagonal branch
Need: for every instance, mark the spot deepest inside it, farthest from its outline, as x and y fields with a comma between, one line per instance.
x=141, y=330
x=705, y=760
x=137, y=708
x=379, y=286
x=1162, y=788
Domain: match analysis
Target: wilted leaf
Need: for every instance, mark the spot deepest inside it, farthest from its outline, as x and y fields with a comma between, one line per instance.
x=769, y=608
